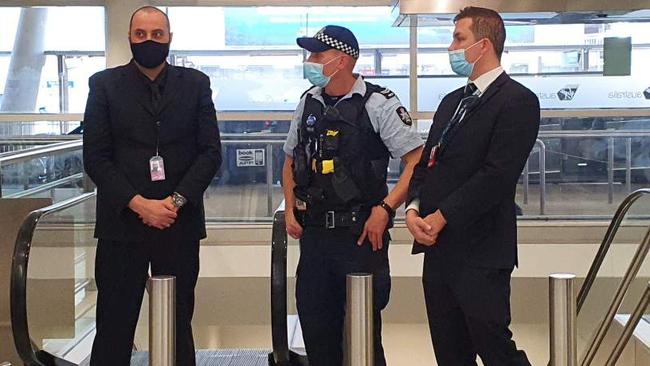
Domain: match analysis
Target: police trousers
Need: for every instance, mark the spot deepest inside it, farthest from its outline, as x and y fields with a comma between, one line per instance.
x=326, y=257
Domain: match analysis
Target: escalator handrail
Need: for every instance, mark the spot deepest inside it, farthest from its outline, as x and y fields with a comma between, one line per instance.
x=630, y=274
x=630, y=326
x=614, y=225
x=279, y=288
x=27, y=350
x=281, y=355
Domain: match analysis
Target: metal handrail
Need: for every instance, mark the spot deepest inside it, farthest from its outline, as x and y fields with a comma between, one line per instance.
x=542, y=176
x=15, y=157
x=27, y=139
x=47, y=186
x=30, y=353
x=614, y=225
x=628, y=277
x=275, y=139
x=631, y=324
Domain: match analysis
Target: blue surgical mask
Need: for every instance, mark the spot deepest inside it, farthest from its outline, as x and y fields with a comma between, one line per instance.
x=313, y=72
x=459, y=63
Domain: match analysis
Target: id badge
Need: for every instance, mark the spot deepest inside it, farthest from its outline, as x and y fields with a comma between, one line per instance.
x=301, y=205
x=157, y=168
x=432, y=156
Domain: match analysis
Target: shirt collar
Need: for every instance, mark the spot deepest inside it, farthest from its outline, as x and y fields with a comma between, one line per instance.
x=160, y=79
x=484, y=81
x=359, y=87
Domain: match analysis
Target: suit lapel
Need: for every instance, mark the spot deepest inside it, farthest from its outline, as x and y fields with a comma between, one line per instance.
x=171, y=87
x=135, y=87
x=448, y=113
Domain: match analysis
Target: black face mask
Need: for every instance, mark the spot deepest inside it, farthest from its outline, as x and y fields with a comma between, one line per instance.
x=150, y=54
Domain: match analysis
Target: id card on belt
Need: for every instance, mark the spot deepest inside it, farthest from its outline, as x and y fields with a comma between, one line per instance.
x=157, y=168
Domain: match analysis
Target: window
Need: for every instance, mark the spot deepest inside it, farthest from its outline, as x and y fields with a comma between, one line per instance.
x=568, y=57
x=254, y=63
x=67, y=54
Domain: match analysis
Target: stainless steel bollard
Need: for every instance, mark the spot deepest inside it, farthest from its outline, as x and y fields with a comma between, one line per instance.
x=162, y=320
x=359, y=337
x=563, y=313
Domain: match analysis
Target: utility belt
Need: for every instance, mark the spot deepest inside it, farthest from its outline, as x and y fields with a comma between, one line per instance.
x=354, y=220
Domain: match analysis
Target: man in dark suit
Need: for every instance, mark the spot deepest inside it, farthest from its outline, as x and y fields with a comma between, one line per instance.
x=152, y=147
x=461, y=208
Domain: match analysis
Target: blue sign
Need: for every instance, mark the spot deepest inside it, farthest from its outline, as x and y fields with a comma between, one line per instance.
x=260, y=26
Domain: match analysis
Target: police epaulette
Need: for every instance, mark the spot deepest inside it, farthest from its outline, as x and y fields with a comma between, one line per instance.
x=387, y=93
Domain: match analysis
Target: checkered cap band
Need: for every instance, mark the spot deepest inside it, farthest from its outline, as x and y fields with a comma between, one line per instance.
x=335, y=43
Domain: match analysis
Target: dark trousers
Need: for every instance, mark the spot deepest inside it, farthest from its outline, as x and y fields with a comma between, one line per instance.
x=326, y=257
x=469, y=314
x=121, y=270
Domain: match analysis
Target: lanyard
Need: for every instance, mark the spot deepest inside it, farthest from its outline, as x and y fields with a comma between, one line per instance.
x=463, y=107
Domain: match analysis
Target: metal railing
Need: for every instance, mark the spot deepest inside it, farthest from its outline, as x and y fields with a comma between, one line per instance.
x=542, y=177
x=28, y=351
x=565, y=326
x=278, y=139
x=565, y=307
x=20, y=156
x=630, y=274
x=631, y=324
x=270, y=141
x=608, y=239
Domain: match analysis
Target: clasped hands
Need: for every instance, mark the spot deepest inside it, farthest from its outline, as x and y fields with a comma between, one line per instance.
x=425, y=230
x=160, y=214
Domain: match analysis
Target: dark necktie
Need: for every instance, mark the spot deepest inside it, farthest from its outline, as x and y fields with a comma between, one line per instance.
x=470, y=89
x=156, y=96
x=466, y=103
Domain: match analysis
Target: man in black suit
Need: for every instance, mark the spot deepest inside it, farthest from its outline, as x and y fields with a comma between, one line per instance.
x=461, y=208
x=152, y=147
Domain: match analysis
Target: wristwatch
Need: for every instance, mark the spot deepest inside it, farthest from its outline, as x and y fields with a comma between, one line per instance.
x=386, y=206
x=178, y=200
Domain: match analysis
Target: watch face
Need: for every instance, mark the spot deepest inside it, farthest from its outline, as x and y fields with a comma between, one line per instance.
x=178, y=200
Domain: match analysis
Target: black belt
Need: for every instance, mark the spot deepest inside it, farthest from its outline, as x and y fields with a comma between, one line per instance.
x=334, y=219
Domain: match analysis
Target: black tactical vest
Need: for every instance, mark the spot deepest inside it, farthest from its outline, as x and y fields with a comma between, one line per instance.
x=340, y=162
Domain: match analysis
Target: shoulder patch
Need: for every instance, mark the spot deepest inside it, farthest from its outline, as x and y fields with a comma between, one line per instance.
x=387, y=93
x=404, y=115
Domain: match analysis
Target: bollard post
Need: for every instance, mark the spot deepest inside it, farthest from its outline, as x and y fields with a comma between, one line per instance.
x=162, y=320
x=359, y=337
x=563, y=313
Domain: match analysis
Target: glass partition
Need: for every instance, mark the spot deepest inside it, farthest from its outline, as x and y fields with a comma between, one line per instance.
x=57, y=175
x=61, y=276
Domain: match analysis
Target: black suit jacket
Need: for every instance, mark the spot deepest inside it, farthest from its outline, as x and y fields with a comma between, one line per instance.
x=120, y=138
x=473, y=184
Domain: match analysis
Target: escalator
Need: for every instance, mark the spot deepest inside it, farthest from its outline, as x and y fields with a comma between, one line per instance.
x=66, y=338
x=59, y=239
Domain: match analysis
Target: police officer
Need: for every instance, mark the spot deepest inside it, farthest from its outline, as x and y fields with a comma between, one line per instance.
x=342, y=135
